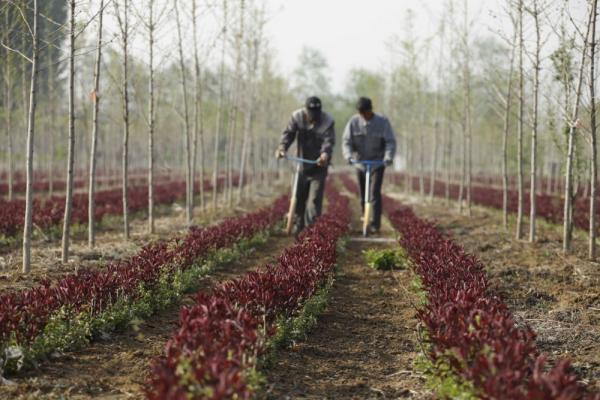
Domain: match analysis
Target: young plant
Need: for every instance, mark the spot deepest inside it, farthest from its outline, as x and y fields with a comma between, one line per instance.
x=386, y=259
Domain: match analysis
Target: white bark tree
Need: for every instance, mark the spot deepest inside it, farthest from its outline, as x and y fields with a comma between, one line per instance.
x=94, y=140
x=71, y=141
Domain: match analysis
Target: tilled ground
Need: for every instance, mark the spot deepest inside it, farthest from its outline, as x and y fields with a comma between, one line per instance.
x=116, y=367
x=557, y=295
x=364, y=344
x=110, y=245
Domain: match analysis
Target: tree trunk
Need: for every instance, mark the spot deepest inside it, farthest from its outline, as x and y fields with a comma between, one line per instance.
x=52, y=125
x=593, y=127
x=507, y=112
x=8, y=108
x=151, y=103
x=536, y=85
x=568, y=206
x=198, y=131
x=519, y=231
x=96, y=101
x=124, y=27
x=463, y=170
x=220, y=107
x=71, y=145
x=188, y=158
x=249, y=117
x=30, y=139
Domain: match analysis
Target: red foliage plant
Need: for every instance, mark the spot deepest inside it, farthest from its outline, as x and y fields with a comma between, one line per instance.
x=220, y=337
x=24, y=314
x=48, y=212
x=472, y=329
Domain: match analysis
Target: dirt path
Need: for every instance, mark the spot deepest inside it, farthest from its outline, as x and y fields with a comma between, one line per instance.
x=364, y=344
x=557, y=295
x=116, y=367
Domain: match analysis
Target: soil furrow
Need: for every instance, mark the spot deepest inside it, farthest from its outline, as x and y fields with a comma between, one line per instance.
x=364, y=344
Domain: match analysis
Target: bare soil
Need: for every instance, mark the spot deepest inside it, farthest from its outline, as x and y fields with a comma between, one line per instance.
x=365, y=342
x=557, y=295
x=116, y=367
x=110, y=245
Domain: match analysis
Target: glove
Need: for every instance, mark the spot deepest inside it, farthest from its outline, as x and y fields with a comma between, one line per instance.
x=280, y=153
x=388, y=162
x=349, y=161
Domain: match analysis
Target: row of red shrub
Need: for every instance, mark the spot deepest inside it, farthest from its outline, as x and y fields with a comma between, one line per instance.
x=50, y=212
x=549, y=207
x=469, y=327
x=41, y=180
x=221, y=336
x=24, y=314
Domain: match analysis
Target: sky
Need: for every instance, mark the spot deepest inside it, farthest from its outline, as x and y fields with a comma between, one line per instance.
x=355, y=33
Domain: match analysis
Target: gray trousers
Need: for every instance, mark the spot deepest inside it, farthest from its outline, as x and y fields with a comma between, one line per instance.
x=309, y=196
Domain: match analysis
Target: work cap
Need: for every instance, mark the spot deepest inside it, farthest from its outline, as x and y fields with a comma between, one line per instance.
x=364, y=104
x=313, y=106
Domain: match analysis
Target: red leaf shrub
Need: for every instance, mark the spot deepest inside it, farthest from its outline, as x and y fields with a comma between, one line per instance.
x=549, y=207
x=220, y=336
x=50, y=211
x=471, y=328
x=25, y=313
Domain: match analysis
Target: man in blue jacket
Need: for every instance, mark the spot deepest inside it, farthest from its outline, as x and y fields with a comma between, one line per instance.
x=369, y=136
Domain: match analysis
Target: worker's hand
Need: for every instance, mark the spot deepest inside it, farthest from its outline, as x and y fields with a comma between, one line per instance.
x=323, y=160
x=280, y=153
x=387, y=162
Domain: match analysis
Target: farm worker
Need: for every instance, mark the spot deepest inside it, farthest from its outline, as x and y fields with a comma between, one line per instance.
x=369, y=137
x=314, y=132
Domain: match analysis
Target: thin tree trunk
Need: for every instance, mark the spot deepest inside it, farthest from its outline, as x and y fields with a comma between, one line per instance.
x=249, y=117
x=519, y=228
x=30, y=139
x=186, y=121
x=52, y=127
x=96, y=100
x=534, y=132
x=593, y=127
x=448, y=150
x=235, y=105
x=8, y=108
x=467, y=111
x=507, y=111
x=463, y=170
x=198, y=131
x=220, y=107
x=124, y=28
x=71, y=145
x=422, y=163
x=151, y=103
x=568, y=206
x=436, y=130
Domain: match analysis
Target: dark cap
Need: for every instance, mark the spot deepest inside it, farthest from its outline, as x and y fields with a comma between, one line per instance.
x=364, y=104
x=313, y=106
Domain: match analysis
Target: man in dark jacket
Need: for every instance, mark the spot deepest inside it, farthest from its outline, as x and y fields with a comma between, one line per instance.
x=369, y=137
x=314, y=132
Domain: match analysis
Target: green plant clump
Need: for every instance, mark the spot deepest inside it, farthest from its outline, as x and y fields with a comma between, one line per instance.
x=386, y=259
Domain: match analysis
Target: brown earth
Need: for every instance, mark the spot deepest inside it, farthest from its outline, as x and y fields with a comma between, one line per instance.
x=169, y=222
x=116, y=367
x=557, y=295
x=365, y=342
